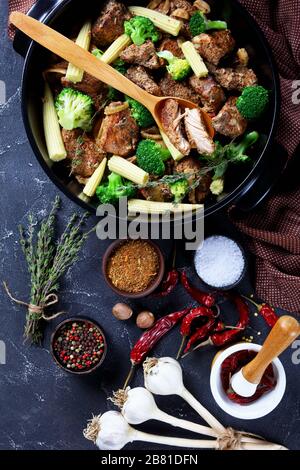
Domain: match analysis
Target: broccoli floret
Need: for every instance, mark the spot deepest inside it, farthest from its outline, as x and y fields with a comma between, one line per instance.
x=74, y=109
x=113, y=94
x=97, y=53
x=231, y=153
x=237, y=152
x=151, y=157
x=141, y=114
x=199, y=24
x=114, y=189
x=179, y=189
x=224, y=155
x=140, y=29
x=179, y=69
x=253, y=102
x=120, y=66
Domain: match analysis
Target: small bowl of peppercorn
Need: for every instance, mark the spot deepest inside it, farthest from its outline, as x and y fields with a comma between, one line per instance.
x=78, y=345
x=133, y=268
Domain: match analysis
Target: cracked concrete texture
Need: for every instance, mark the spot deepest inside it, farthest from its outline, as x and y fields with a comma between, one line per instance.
x=41, y=406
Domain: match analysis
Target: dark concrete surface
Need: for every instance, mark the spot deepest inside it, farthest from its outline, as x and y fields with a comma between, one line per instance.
x=41, y=407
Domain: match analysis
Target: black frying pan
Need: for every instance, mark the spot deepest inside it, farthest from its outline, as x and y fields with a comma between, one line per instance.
x=246, y=185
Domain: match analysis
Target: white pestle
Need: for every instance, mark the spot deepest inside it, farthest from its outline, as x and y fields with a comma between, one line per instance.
x=284, y=332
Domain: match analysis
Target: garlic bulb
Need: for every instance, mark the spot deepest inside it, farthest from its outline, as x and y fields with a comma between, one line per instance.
x=137, y=405
x=163, y=376
x=111, y=431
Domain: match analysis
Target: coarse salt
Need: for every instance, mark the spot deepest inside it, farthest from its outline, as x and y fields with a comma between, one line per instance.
x=219, y=262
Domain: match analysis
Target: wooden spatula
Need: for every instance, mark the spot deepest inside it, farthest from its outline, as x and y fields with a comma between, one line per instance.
x=68, y=50
x=284, y=332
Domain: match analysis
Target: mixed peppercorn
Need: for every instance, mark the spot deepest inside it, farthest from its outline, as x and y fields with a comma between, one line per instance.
x=78, y=345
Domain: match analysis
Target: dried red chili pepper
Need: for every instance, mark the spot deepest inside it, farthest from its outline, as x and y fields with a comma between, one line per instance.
x=200, y=334
x=266, y=311
x=151, y=337
x=233, y=364
x=223, y=334
x=168, y=284
x=186, y=324
x=219, y=326
x=202, y=297
x=171, y=279
x=227, y=336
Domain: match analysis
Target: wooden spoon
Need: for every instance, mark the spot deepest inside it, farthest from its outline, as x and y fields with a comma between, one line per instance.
x=71, y=52
x=284, y=332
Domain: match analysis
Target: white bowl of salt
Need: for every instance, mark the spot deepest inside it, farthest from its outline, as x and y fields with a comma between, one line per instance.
x=220, y=262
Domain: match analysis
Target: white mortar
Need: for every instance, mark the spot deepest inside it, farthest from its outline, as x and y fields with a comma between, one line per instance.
x=261, y=407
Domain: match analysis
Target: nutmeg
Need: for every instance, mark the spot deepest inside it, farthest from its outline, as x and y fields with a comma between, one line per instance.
x=122, y=311
x=145, y=319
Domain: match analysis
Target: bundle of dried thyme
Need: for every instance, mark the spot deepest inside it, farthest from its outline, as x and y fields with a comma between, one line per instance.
x=47, y=260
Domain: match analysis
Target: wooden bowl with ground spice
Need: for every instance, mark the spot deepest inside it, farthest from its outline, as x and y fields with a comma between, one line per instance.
x=133, y=268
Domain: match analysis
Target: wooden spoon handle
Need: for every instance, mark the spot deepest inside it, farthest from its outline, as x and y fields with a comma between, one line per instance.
x=281, y=336
x=68, y=50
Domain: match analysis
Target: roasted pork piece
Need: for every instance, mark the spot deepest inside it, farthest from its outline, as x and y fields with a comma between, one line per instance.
x=82, y=151
x=159, y=193
x=189, y=165
x=211, y=93
x=54, y=74
x=172, y=46
x=109, y=25
x=229, y=121
x=197, y=133
x=139, y=75
x=181, y=4
x=192, y=167
x=141, y=55
x=173, y=126
x=213, y=47
x=235, y=78
x=119, y=133
x=170, y=87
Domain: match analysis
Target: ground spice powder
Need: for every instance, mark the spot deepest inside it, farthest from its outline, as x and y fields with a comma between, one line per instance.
x=133, y=266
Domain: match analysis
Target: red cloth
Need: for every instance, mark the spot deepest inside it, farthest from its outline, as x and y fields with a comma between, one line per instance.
x=280, y=22
x=272, y=231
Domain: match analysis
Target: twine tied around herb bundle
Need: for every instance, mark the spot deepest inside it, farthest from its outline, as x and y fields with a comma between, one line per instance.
x=48, y=257
x=36, y=312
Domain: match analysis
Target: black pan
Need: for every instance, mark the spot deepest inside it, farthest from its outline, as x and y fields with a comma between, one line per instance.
x=246, y=185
